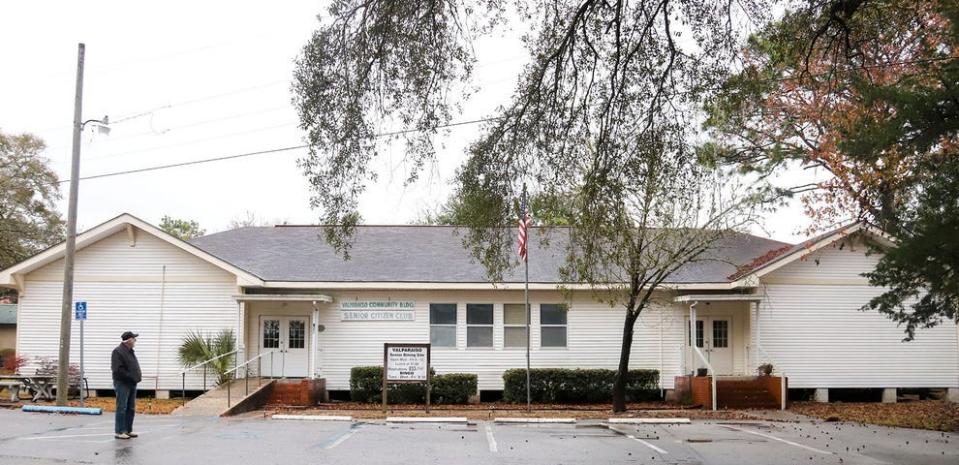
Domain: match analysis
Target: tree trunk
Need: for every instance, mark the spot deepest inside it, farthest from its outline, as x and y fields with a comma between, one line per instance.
x=619, y=384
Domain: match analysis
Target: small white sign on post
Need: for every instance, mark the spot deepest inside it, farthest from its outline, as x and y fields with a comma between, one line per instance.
x=406, y=363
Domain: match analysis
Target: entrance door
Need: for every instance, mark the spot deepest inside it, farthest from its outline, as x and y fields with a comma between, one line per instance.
x=287, y=337
x=714, y=339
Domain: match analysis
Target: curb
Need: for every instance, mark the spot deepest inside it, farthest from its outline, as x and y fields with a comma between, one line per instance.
x=533, y=420
x=312, y=417
x=61, y=409
x=650, y=421
x=426, y=420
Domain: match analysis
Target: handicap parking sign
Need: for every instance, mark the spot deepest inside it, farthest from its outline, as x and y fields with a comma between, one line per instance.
x=80, y=311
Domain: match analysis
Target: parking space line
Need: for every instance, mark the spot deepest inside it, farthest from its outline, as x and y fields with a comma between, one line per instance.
x=337, y=440
x=490, y=439
x=68, y=436
x=634, y=438
x=774, y=438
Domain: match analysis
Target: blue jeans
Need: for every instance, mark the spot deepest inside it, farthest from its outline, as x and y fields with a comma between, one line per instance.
x=126, y=406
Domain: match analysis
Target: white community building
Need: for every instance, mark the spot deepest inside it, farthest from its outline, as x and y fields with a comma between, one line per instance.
x=284, y=291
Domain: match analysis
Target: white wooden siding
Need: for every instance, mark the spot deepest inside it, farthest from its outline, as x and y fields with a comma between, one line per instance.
x=122, y=287
x=594, y=334
x=815, y=332
x=841, y=261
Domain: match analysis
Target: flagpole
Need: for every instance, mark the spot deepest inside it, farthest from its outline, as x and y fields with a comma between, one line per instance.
x=526, y=295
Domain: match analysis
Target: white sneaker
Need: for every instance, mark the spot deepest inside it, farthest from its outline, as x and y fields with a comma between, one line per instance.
x=133, y=435
x=122, y=436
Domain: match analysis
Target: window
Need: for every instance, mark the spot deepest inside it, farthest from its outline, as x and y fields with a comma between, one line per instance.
x=443, y=325
x=720, y=334
x=271, y=334
x=297, y=332
x=514, y=325
x=552, y=322
x=699, y=333
x=479, y=325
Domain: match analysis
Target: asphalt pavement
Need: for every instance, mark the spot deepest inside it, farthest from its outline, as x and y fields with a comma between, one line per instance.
x=30, y=438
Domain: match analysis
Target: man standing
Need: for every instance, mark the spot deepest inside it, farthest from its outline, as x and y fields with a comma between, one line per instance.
x=126, y=375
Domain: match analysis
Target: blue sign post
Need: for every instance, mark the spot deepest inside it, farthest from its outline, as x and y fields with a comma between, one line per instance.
x=80, y=314
x=80, y=311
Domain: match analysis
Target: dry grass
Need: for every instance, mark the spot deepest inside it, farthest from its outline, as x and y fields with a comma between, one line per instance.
x=144, y=405
x=935, y=415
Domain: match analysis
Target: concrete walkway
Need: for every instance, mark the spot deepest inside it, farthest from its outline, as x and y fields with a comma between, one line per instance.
x=216, y=401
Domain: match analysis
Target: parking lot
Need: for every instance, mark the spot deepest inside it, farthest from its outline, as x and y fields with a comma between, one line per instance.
x=38, y=439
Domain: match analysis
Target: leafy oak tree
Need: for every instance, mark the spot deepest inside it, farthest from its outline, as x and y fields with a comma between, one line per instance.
x=183, y=229
x=544, y=210
x=29, y=190
x=602, y=113
x=870, y=94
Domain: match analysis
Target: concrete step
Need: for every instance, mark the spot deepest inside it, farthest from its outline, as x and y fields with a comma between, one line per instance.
x=219, y=400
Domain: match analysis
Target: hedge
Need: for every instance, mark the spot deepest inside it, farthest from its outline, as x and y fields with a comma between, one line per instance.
x=366, y=385
x=579, y=385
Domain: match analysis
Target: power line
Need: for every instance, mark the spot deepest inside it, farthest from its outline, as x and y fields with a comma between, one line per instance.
x=141, y=113
x=162, y=132
x=260, y=152
x=193, y=141
x=392, y=133
x=186, y=163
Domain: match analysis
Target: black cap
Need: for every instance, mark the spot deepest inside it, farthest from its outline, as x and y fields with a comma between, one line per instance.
x=128, y=334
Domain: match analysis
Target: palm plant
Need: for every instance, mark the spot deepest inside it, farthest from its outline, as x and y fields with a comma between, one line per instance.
x=198, y=348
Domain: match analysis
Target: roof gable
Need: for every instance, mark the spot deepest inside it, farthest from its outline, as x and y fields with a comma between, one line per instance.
x=780, y=257
x=12, y=277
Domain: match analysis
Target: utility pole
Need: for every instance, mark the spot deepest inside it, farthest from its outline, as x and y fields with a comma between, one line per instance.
x=63, y=366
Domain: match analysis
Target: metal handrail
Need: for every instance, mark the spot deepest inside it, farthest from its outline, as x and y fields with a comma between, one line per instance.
x=208, y=361
x=259, y=370
x=203, y=364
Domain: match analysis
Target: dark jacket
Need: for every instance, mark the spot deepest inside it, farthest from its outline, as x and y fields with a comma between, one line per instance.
x=125, y=366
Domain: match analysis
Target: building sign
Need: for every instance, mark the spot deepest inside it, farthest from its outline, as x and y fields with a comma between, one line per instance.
x=378, y=310
x=406, y=362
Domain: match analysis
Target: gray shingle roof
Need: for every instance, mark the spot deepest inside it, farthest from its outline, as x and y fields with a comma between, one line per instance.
x=426, y=254
x=8, y=314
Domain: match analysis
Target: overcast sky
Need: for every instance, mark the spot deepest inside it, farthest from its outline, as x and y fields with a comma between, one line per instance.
x=191, y=80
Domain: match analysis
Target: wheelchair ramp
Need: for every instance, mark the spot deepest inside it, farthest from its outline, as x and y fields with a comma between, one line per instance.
x=239, y=396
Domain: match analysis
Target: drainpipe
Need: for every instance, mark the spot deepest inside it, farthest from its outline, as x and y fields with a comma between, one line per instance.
x=156, y=382
x=692, y=339
x=661, y=391
x=313, y=340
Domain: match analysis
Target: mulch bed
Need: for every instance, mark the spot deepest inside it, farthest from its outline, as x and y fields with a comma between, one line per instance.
x=144, y=405
x=935, y=415
x=487, y=411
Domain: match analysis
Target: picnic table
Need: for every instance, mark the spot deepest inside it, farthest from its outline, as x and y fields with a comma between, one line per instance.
x=40, y=386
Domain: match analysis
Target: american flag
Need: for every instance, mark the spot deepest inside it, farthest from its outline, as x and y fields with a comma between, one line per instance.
x=523, y=228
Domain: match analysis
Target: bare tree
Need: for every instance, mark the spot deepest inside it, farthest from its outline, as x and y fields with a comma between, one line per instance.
x=604, y=113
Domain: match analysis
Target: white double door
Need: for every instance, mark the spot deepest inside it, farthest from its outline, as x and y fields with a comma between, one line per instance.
x=288, y=338
x=714, y=339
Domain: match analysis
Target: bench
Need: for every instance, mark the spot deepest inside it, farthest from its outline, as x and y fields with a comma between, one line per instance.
x=14, y=387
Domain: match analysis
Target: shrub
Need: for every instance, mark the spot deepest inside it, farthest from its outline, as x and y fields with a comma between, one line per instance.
x=366, y=385
x=10, y=362
x=453, y=388
x=48, y=366
x=197, y=348
x=578, y=385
